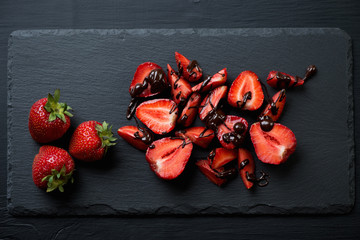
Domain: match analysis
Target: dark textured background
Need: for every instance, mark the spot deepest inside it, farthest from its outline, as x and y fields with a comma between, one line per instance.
x=93, y=69
x=180, y=14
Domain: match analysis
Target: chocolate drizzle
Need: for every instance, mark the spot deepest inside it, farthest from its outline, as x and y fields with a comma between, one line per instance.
x=266, y=123
x=310, y=71
x=229, y=173
x=235, y=137
x=244, y=163
x=284, y=80
x=132, y=107
x=262, y=181
x=205, y=83
x=193, y=65
x=147, y=137
x=246, y=97
x=214, y=118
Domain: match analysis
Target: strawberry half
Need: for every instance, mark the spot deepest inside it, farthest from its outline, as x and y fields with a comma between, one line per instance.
x=149, y=79
x=204, y=166
x=246, y=166
x=197, y=135
x=211, y=82
x=159, y=115
x=168, y=157
x=190, y=70
x=138, y=137
x=246, y=92
x=231, y=133
x=275, y=108
x=221, y=156
x=279, y=80
x=189, y=112
x=211, y=101
x=274, y=146
x=180, y=88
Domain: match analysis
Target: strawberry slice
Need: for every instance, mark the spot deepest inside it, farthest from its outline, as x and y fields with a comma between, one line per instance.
x=221, y=156
x=231, y=133
x=211, y=101
x=211, y=82
x=190, y=70
x=149, y=79
x=189, y=112
x=200, y=136
x=280, y=80
x=275, y=108
x=138, y=137
x=246, y=166
x=159, y=115
x=246, y=92
x=168, y=157
x=180, y=88
x=273, y=146
x=204, y=166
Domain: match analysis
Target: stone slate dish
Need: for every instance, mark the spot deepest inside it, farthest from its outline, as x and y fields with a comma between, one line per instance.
x=93, y=69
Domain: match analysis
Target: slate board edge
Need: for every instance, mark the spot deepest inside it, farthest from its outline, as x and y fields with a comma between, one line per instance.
x=169, y=210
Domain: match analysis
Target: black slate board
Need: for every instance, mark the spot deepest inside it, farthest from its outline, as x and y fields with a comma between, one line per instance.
x=93, y=68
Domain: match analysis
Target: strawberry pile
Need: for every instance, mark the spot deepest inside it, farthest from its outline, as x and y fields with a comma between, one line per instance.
x=168, y=151
x=49, y=120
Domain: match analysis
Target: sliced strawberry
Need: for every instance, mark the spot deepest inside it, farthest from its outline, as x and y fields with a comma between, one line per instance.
x=204, y=166
x=231, y=133
x=189, y=112
x=190, y=70
x=246, y=166
x=168, y=157
x=280, y=80
x=180, y=88
x=221, y=156
x=211, y=82
x=246, y=92
x=197, y=135
x=149, y=79
x=139, y=138
x=159, y=115
x=274, y=146
x=275, y=108
x=211, y=101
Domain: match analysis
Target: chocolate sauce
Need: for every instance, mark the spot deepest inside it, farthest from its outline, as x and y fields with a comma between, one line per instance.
x=214, y=118
x=246, y=97
x=201, y=135
x=156, y=79
x=239, y=127
x=152, y=146
x=193, y=65
x=183, y=119
x=230, y=173
x=132, y=107
x=178, y=95
x=262, y=181
x=205, y=83
x=244, y=163
x=310, y=71
x=234, y=138
x=266, y=123
x=212, y=154
x=147, y=137
x=283, y=81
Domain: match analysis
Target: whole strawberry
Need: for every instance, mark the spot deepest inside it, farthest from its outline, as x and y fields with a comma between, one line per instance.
x=52, y=168
x=91, y=140
x=49, y=119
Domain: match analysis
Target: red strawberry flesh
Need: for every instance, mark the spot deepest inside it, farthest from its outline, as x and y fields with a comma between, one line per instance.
x=168, y=157
x=159, y=115
x=189, y=112
x=204, y=166
x=211, y=101
x=139, y=138
x=221, y=156
x=180, y=88
x=246, y=92
x=274, y=146
x=231, y=133
x=211, y=82
x=190, y=70
x=149, y=79
x=246, y=166
x=197, y=135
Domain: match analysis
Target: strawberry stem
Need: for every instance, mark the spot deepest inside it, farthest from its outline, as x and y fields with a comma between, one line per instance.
x=106, y=135
x=56, y=109
x=57, y=179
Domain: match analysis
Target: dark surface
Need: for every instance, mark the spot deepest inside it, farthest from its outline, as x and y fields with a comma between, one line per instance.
x=16, y=15
x=93, y=69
